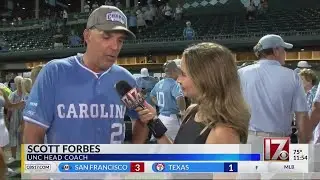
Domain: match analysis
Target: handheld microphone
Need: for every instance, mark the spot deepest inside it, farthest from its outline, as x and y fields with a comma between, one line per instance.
x=132, y=99
x=129, y=96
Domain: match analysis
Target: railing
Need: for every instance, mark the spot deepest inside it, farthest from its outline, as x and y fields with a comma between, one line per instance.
x=199, y=38
x=243, y=36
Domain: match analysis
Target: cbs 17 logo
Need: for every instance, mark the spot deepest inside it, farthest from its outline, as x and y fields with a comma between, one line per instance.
x=276, y=149
x=133, y=99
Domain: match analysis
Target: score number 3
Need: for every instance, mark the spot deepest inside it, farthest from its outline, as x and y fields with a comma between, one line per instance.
x=118, y=133
x=137, y=167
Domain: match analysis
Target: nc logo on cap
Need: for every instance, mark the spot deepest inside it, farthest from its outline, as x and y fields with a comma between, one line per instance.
x=115, y=16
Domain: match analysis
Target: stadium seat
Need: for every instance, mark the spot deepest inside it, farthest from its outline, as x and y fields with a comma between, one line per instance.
x=205, y=26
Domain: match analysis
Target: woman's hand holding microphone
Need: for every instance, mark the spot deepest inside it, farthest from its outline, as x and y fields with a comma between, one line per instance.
x=148, y=115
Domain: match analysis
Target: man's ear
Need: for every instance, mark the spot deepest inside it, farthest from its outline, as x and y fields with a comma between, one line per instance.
x=86, y=36
x=276, y=52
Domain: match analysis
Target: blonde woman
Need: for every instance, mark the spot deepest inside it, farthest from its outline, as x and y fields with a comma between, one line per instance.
x=221, y=116
x=4, y=134
x=26, y=88
x=310, y=81
x=16, y=117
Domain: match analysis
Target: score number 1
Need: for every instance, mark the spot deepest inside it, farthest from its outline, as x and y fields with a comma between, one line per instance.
x=230, y=167
x=137, y=167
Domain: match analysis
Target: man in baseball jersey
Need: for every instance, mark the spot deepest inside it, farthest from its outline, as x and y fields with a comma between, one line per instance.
x=167, y=94
x=146, y=83
x=73, y=100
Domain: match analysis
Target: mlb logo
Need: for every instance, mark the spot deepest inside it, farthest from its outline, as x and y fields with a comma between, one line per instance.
x=276, y=149
x=160, y=167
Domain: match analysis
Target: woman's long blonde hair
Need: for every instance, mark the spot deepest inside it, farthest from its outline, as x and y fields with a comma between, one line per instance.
x=213, y=71
x=26, y=85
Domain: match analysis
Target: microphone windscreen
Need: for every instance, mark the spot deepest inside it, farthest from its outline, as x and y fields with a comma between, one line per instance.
x=122, y=87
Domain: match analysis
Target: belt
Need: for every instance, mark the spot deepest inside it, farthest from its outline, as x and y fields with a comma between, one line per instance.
x=268, y=134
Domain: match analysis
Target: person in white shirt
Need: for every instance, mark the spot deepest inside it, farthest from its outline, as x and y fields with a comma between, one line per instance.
x=86, y=8
x=274, y=93
x=108, y=3
x=167, y=10
x=65, y=17
x=251, y=11
x=178, y=14
x=148, y=16
x=153, y=10
x=141, y=23
x=95, y=5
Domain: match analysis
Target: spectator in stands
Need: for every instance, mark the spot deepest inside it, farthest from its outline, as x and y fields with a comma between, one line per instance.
x=167, y=10
x=148, y=16
x=4, y=21
x=74, y=40
x=19, y=21
x=86, y=8
x=118, y=4
x=4, y=47
x=188, y=32
x=108, y=3
x=95, y=5
x=141, y=23
x=132, y=22
x=58, y=39
x=265, y=5
x=153, y=10
x=178, y=13
x=251, y=11
x=46, y=24
x=65, y=17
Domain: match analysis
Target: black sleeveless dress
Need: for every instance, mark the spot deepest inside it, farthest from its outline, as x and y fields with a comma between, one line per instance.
x=190, y=131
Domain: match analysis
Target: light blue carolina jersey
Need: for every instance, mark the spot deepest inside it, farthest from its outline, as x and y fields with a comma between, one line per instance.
x=78, y=106
x=148, y=84
x=167, y=91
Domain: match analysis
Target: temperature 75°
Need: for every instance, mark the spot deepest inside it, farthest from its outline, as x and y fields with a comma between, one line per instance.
x=297, y=151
